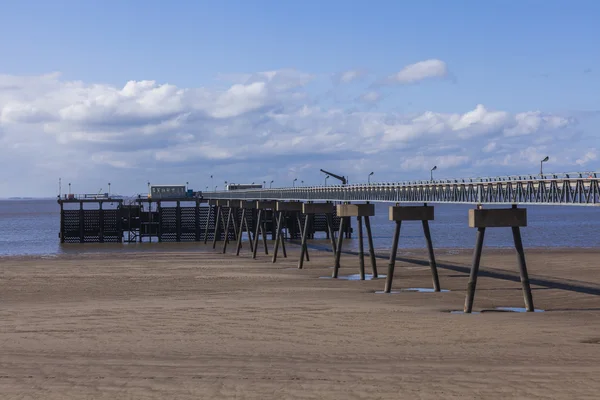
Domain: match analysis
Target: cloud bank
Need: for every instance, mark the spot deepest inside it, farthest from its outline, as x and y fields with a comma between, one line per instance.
x=264, y=126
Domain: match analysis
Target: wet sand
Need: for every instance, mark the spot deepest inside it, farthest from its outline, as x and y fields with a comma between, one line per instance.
x=207, y=325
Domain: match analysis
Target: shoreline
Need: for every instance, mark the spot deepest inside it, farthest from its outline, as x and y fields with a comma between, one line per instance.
x=88, y=249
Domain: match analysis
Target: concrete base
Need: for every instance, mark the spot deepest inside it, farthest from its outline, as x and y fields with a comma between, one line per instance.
x=266, y=204
x=289, y=206
x=411, y=213
x=356, y=210
x=317, y=208
x=498, y=218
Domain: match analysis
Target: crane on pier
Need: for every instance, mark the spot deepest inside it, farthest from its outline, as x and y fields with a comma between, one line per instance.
x=338, y=177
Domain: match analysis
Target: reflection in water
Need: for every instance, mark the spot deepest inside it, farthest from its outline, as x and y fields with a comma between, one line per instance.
x=515, y=309
x=32, y=226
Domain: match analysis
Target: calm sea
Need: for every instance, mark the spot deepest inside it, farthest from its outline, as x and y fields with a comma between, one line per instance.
x=30, y=227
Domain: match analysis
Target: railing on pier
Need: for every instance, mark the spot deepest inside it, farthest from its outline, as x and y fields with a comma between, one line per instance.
x=579, y=189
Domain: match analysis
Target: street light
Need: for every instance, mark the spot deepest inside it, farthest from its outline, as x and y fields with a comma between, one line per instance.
x=215, y=188
x=327, y=177
x=369, y=177
x=433, y=169
x=109, y=188
x=294, y=182
x=264, y=184
x=225, y=187
x=302, y=183
x=542, y=163
x=69, y=187
x=271, y=184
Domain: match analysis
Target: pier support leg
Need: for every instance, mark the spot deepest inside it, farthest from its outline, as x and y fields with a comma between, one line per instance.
x=390, y=275
x=239, y=237
x=432, y=263
x=217, y=225
x=62, y=223
x=257, y=234
x=277, y=236
x=226, y=238
x=361, y=252
x=330, y=232
x=249, y=232
x=303, y=246
x=263, y=228
x=371, y=247
x=234, y=224
x=474, y=271
x=300, y=230
x=208, y=215
x=523, y=269
x=338, y=250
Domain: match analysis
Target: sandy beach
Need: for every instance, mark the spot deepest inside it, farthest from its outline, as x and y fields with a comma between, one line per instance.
x=211, y=326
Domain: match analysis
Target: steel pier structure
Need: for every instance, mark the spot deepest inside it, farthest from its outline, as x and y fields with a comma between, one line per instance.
x=576, y=189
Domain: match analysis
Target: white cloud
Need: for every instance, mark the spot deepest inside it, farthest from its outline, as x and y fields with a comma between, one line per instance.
x=371, y=97
x=419, y=71
x=265, y=126
x=349, y=76
x=591, y=155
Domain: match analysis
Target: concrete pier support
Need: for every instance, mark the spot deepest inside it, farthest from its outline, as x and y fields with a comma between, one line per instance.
x=263, y=207
x=412, y=213
x=360, y=211
x=281, y=210
x=309, y=210
x=513, y=218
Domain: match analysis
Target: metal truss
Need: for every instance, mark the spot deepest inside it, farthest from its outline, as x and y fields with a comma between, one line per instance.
x=576, y=189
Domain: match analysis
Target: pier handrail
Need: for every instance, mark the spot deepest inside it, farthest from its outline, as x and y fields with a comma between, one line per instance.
x=571, y=188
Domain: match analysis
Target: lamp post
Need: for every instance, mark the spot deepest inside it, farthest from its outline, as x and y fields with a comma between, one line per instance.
x=212, y=183
x=327, y=177
x=369, y=177
x=264, y=184
x=69, y=187
x=271, y=184
x=215, y=188
x=302, y=183
x=109, y=188
x=225, y=187
x=294, y=182
x=433, y=169
x=542, y=164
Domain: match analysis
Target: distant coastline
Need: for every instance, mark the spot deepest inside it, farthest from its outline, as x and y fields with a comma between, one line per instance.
x=26, y=198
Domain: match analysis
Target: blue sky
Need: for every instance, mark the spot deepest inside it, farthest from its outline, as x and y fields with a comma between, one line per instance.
x=513, y=57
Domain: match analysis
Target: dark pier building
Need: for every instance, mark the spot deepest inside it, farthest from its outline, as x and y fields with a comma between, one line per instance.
x=167, y=214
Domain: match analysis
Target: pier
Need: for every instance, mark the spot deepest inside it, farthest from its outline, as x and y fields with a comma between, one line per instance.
x=105, y=219
x=177, y=214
